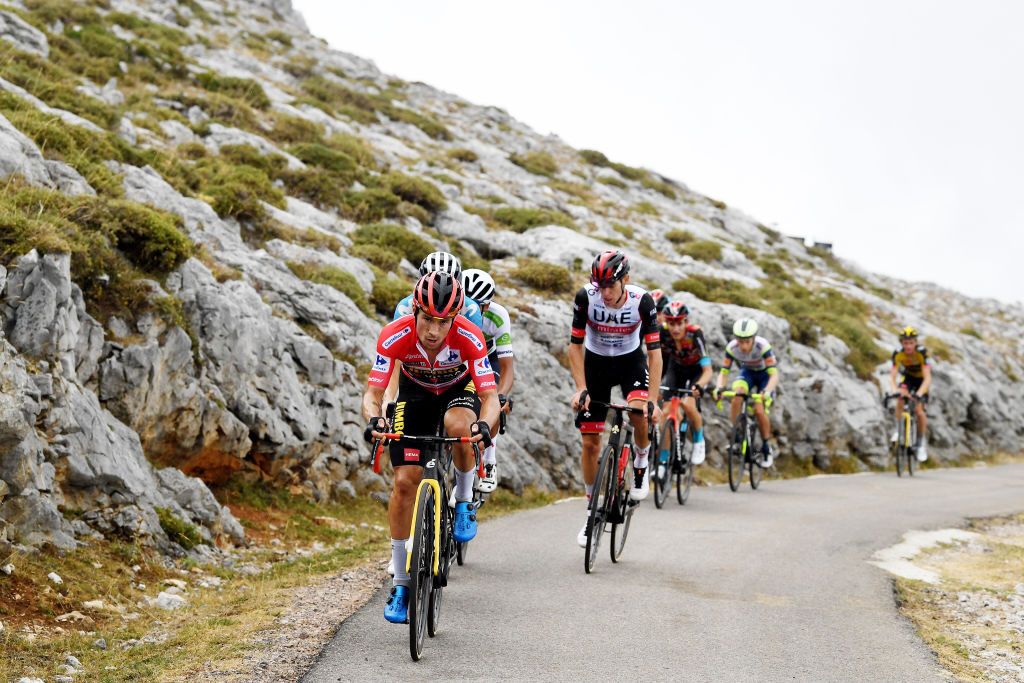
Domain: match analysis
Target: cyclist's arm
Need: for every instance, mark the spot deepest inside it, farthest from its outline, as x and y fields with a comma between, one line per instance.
x=724, y=372
x=373, y=401
x=579, y=331
x=392, y=389
x=490, y=408
x=705, y=360
x=576, y=366
x=505, y=366
x=893, y=373
x=926, y=383
x=772, y=368
x=650, y=331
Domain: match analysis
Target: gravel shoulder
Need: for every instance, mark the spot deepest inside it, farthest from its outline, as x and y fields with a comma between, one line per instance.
x=972, y=611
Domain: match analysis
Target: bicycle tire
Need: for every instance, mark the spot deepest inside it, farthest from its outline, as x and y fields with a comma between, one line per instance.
x=620, y=530
x=737, y=454
x=599, y=502
x=756, y=471
x=662, y=478
x=448, y=551
x=684, y=478
x=421, y=579
x=912, y=450
x=901, y=446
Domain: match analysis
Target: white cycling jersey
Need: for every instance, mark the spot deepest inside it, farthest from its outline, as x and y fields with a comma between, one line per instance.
x=761, y=356
x=614, y=331
x=497, y=329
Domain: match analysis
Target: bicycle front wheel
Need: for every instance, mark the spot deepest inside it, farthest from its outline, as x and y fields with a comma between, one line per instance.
x=421, y=570
x=600, y=502
x=737, y=454
x=664, y=463
x=755, y=469
x=624, y=508
x=684, y=475
x=912, y=447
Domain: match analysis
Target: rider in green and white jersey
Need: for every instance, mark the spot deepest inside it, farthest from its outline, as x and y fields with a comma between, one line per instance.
x=497, y=329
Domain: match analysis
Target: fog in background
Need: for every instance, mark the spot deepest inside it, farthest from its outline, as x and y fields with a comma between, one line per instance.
x=892, y=129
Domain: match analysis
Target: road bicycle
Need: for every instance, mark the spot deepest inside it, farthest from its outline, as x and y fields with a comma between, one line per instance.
x=742, y=453
x=431, y=546
x=904, y=449
x=479, y=497
x=674, y=451
x=609, y=503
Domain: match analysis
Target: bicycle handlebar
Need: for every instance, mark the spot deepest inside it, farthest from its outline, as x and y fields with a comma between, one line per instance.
x=378, y=444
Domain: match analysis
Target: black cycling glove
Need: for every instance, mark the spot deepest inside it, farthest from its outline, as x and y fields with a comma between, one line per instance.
x=481, y=427
x=374, y=424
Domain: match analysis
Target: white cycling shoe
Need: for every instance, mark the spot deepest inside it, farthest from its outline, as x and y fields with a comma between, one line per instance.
x=922, y=452
x=641, y=484
x=698, y=455
x=581, y=537
x=489, y=482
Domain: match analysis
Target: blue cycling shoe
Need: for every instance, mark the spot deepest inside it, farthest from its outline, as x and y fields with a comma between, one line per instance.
x=465, y=522
x=397, y=608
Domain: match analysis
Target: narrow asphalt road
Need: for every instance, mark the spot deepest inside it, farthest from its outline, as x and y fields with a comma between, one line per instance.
x=766, y=585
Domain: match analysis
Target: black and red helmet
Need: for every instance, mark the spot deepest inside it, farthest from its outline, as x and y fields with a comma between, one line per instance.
x=439, y=295
x=608, y=267
x=676, y=310
x=660, y=299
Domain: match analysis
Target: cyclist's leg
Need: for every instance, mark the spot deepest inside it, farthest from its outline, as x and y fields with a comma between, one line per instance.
x=633, y=381
x=490, y=455
x=758, y=381
x=462, y=408
x=599, y=385
x=741, y=387
x=696, y=422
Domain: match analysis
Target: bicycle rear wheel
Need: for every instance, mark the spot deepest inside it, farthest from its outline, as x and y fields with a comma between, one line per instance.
x=624, y=507
x=448, y=551
x=684, y=477
x=421, y=566
x=600, y=500
x=901, y=447
x=664, y=463
x=737, y=454
x=755, y=469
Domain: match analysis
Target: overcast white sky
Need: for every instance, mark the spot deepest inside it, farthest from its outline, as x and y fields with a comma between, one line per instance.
x=893, y=129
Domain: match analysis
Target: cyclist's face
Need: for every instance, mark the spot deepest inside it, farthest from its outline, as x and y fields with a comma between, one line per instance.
x=909, y=344
x=611, y=294
x=432, y=331
x=676, y=327
x=746, y=345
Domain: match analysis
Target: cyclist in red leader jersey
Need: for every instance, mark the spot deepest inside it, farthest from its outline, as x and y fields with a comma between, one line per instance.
x=444, y=372
x=610, y=319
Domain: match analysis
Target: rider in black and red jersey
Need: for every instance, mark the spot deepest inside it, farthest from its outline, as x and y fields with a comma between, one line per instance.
x=445, y=375
x=687, y=366
x=611, y=318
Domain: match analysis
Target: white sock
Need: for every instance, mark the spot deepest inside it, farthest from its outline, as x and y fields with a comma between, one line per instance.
x=398, y=557
x=489, y=456
x=640, y=458
x=463, y=486
x=590, y=490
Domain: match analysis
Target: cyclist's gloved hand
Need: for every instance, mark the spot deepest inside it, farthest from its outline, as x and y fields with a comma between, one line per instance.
x=768, y=399
x=483, y=429
x=697, y=390
x=374, y=424
x=716, y=394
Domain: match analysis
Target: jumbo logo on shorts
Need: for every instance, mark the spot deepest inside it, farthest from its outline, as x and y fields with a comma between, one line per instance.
x=471, y=337
x=482, y=366
x=411, y=454
x=395, y=337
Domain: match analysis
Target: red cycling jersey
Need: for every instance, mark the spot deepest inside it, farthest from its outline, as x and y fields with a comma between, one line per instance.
x=463, y=352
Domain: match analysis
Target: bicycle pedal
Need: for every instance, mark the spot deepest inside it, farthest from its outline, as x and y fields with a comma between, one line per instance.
x=477, y=504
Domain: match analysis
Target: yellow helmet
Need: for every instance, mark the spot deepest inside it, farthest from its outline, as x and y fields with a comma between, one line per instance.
x=908, y=332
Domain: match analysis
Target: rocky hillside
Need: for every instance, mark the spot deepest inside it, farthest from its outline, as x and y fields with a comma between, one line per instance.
x=206, y=213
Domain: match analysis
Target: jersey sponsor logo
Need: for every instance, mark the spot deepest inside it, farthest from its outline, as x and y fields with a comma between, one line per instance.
x=453, y=355
x=471, y=337
x=603, y=315
x=613, y=329
x=390, y=341
x=411, y=454
x=482, y=366
x=504, y=340
x=382, y=364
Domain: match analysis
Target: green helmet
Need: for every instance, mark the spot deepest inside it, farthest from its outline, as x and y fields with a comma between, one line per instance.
x=744, y=328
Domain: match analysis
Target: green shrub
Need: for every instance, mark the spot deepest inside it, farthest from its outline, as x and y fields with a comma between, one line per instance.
x=353, y=146
x=246, y=89
x=629, y=172
x=416, y=191
x=236, y=191
x=677, y=236
x=722, y=206
x=394, y=237
x=658, y=186
x=179, y=531
x=291, y=129
x=774, y=270
x=544, y=276
x=428, y=124
x=384, y=258
x=387, y=292
x=646, y=208
x=971, y=331
x=578, y=190
x=339, y=279
x=280, y=37
x=538, y=163
x=704, y=250
x=612, y=180
x=522, y=219
x=322, y=156
x=319, y=187
x=626, y=231
x=594, y=158
x=718, y=290
x=370, y=205
x=463, y=154
x=772, y=235
x=940, y=350
x=192, y=150
x=247, y=155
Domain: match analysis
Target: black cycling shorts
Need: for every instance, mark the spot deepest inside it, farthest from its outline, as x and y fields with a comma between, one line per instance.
x=628, y=372
x=913, y=384
x=418, y=412
x=678, y=376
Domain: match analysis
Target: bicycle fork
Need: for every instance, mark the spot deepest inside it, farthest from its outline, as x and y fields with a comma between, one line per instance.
x=432, y=483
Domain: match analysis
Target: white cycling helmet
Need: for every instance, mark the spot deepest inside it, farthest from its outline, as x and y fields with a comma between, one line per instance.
x=744, y=328
x=479, y=285
x=441, y=261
